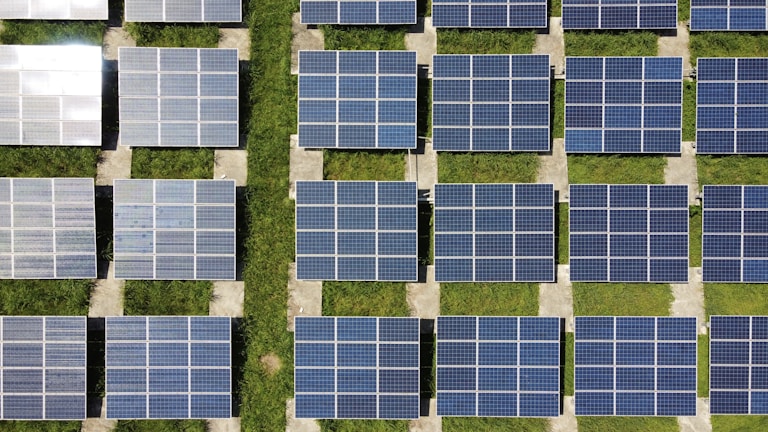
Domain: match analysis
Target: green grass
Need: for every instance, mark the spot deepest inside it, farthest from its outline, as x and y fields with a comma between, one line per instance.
x=702, y=374
x=161, y=426
x=633, y=424
x=364, y=299
x=611, y=43
x=736, y=299
x=694, y=236
x=44, y=297
x=689, y=111
x=616, y=169
x=727, y=44
x=149, y=163
x=562, y=233
x=558, y=105
x=167, y=297
x=472, y=41
x=490, y=424
x=363, y=38
x=721, y=423
x=43, y=426
x=683, y=10
x=637, y=299
x=568, y=366
x=729, y=170
x=487, y=167
x=502, y=299
x=48, y=161
x=362, y=165
x=174, y=35
x=52, y=33
x=555, y=8
x=364, y=425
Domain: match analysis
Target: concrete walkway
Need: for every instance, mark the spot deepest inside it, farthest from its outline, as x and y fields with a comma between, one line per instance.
x=424, y=298
x=689, y=299
x=553, y=168
x=99, y=424
x=114, y=162
x=552, y=43
x=224, y=425
x=556, y=299
x=305, y=165
x=304, y=38
x=231, y=164
x=293, y=424
x=305, y=298
x=228, y=298
x=429, y=421
x=114, y=38
x=107, y=294
x=421, y=167
x=700, y=423
x=422, y=38
x=676, y=45
x=239, y=38
x=682, y=170
x=567, y=421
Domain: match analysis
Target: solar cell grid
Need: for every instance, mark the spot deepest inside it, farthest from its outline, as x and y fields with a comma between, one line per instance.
x=490, y=13
x=619, y=14
x=629, y=233
x=490, y=102
x=57, y=10
x=358, y=12
x=623, y=104
x=168, y=367
x=724, y=15
x=635, y=366
x=183, y=11
x=356, y=367
x=498, y=366
x=732, y=105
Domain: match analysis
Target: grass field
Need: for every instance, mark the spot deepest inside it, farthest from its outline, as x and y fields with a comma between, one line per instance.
x=473, y=41
x=33, y=32
x=558, y=109
x=167, y=297
x=616, y=169
x=634, y=424
x=174, y=35
x=162, y=426
x=694, y=236
x=362, y=38
x=500, y=299
x=729, y=170
x=636, y=299
x=363, y=165
x=490, y=424
x=364, y=299
x=728, y=44
x=736, y=299
x=487, y=167
x=563, y=239
x=611, y=43
x=702, y=373
x=568, y=366
x=689, y=111
x=48, y=161
x=149, y=163
x=722, y=423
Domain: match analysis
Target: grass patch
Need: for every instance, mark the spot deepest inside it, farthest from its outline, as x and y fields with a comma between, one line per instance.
x=616, y=169
x=364, y=37
x=172, y=163
x=41, y=426
x=736, y=299
x=44, y=297
x=48, y=161
x=555, y=8
x=363, y=165
x=636, y=299
x=689, y=111
x=558, y=108
x=496, y=41
x=702, y=374
x=568, y=366
x=730, y=170
x=161, y=426
x=52, y=32
x=728, y=44
x=364, y=299
x=694, y=236
x=167, y=297
x=563, y=252
x=487, y=167
x=364, y=425
x=174, y=35
x=490, y=424
x=634, y=424
x=502, y=299
x=683, y=10
x=611, y=43
x=722, y=423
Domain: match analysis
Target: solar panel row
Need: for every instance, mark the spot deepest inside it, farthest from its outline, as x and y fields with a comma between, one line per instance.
x=736, y=15
x=619, y=14
x=183, y=11
x=54, y=10
x=358, y=12
x=490, y=13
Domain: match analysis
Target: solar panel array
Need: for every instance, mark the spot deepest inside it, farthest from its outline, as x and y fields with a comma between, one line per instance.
x=732, y=105
x=168, y=367
x=629, y=233
x=357, y=99
x=736, y=15
x=494, y=232
x=50, y=95
x=174, y=229
x=619, y=14
x=54, y=10
x=47, y=228
x=738, y=365
x=490, y=102
x=171, y=11
x=178, y=97
x=489, y=13
x=635, y=366
x=356, y=230
x=43, y=368
x=735, y=234
x=356, y=367
x=623, y=104
x=498, y=366
x=358, y=12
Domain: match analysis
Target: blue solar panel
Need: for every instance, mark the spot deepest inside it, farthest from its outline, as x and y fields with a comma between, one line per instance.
x=732, y=105
x=736, y=15
x=489, y=13
x=168, y=367
x=735, y=247
x=619, y=14
x=498, y=366
x=635, y=366
x=490, y=103
x=738, y=364
x=357, y=99
x=358, y=12
x=623, y=104
x=494, y=233
x=356, y=367
x=356, y=230
x=629, y=233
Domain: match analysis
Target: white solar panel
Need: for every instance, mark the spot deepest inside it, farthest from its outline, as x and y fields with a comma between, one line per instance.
x=55, y=9
x=174, y=229
x=50, y=95
x=183, y=11
x=178, y=97
x=47, y=228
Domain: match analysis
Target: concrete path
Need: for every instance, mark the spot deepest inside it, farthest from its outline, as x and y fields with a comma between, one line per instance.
x=421, y=167
x=553, y=168
x=114, y=38
x=552, y=43
x=114, y=162
x=689, y=299
x=427, y=423
x=239, y=38
x=224, y=425
x=676, y=45
x=293, y=424
x=107, y=295
x=700, y=423
x=556, y=299
x=682, y=170
x=228, y=298
x=231, y=164
x=99, y=424
x=424, y=298
x=303, y=39
x=422, y=38
x=305, y=298
x=567, y=421
x=305, y=165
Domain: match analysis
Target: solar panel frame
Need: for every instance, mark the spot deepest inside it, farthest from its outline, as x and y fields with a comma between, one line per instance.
x=490, y=14
x=358, y=12
x=494, y=232
x=174, y=229
x=498, y=366
x=59, y=10
x=728, y=15
x=157, y=367
x=636, y=240
x=731, y=106
x=179, y=97
x=623, y=104
x=612, y=352
x=51, y=95
x=356, y=367
x=491, y=103
x=624, y=14
x=170, y=11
